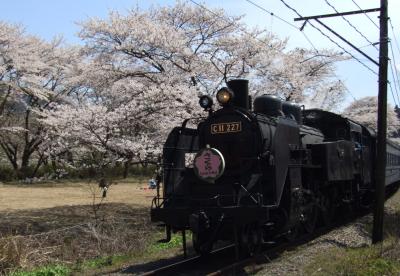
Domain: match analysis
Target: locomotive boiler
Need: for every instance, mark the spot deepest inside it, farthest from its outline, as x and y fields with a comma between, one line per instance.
x=253, y=171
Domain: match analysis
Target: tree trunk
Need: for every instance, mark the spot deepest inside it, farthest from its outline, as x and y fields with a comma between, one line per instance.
x=126, y=168
x=24, y=169
x=38, y=164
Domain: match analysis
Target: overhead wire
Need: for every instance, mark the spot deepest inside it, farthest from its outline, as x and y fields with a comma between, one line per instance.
x=394, y=64
x=394, y=36
x=347, y=90
x=272, y=14
x=265, y=10
x=328, y=37
x=294, y=26
x=391, y=90
x=394, y=73
x=348, y=22
x=367, y=45
x=283, y=20
x=373, y=22
x=217, y=15
x=393, y=69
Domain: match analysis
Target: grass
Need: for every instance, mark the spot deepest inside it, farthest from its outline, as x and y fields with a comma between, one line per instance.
x=374, y=260
x=48, y=195
x=152, y=252
x=50, y=270
x=139, y=179
x=47, y=227
x=102, y=262
x=176, y=241
x=50, y=228
x=380, y=259
x=121, y=233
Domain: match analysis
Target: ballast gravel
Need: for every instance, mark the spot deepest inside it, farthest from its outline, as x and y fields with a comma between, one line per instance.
x=352, y=235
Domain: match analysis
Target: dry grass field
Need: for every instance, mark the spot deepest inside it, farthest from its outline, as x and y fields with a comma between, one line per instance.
x=63, y=224
x=38, y=196
x=70, y=223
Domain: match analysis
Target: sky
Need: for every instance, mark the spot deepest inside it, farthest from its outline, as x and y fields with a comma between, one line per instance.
x=48, y=18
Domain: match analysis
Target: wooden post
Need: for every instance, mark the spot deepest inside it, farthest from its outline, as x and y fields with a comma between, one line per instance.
x=377, y=232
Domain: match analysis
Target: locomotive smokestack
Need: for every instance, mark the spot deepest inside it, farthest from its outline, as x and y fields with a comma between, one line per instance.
x=241, y=89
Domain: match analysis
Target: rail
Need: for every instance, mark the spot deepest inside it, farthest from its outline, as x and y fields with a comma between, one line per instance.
x=223, y=262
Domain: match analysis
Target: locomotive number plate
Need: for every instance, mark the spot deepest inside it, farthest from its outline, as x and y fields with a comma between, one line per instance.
x=226, y=127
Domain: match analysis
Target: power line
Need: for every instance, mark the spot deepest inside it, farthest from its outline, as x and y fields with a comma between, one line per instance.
x=373, y=22
x=347, y=90
x=204, y=8
x=328, y=37
x=348, y=22
x=271, y=13
x=283, y=20
x=394, y=36
x=394, y=72
x=218, y=16
x=292, y=25
x=394, y=64
x=391, y=91
x=288, y=23
x=367, y=45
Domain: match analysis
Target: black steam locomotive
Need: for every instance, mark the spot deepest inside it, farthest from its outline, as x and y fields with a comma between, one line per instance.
x=250, y=174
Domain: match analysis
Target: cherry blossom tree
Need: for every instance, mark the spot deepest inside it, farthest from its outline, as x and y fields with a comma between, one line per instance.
x=365, y=110
x=33, y=76
x=144, y=70
x=206, y=49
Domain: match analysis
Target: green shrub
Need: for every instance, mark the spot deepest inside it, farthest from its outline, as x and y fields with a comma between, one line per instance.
x=356, y=261
x=51, y=270
x=47, y=171
x=104, y=261
x=7, y=173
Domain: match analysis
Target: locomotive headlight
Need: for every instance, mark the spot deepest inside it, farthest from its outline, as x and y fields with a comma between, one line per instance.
x=224, y=95
x=206, y=102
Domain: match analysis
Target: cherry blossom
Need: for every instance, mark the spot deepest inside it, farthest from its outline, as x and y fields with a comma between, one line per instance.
x=138, y=75
x=33, y=75
x=365, y=110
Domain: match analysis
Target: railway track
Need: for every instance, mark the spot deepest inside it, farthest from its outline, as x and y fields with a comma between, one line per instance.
x=222, y=261
x=219, y=262
x=199, y=264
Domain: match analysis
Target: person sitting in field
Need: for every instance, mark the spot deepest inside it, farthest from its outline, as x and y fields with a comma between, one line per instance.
x=104, y=184
x=152, y=183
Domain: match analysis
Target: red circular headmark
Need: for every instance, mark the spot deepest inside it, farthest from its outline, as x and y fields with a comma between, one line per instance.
x=209, y=164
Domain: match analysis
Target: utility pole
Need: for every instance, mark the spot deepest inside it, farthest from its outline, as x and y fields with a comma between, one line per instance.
x=380, y=170
x=377, y=232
